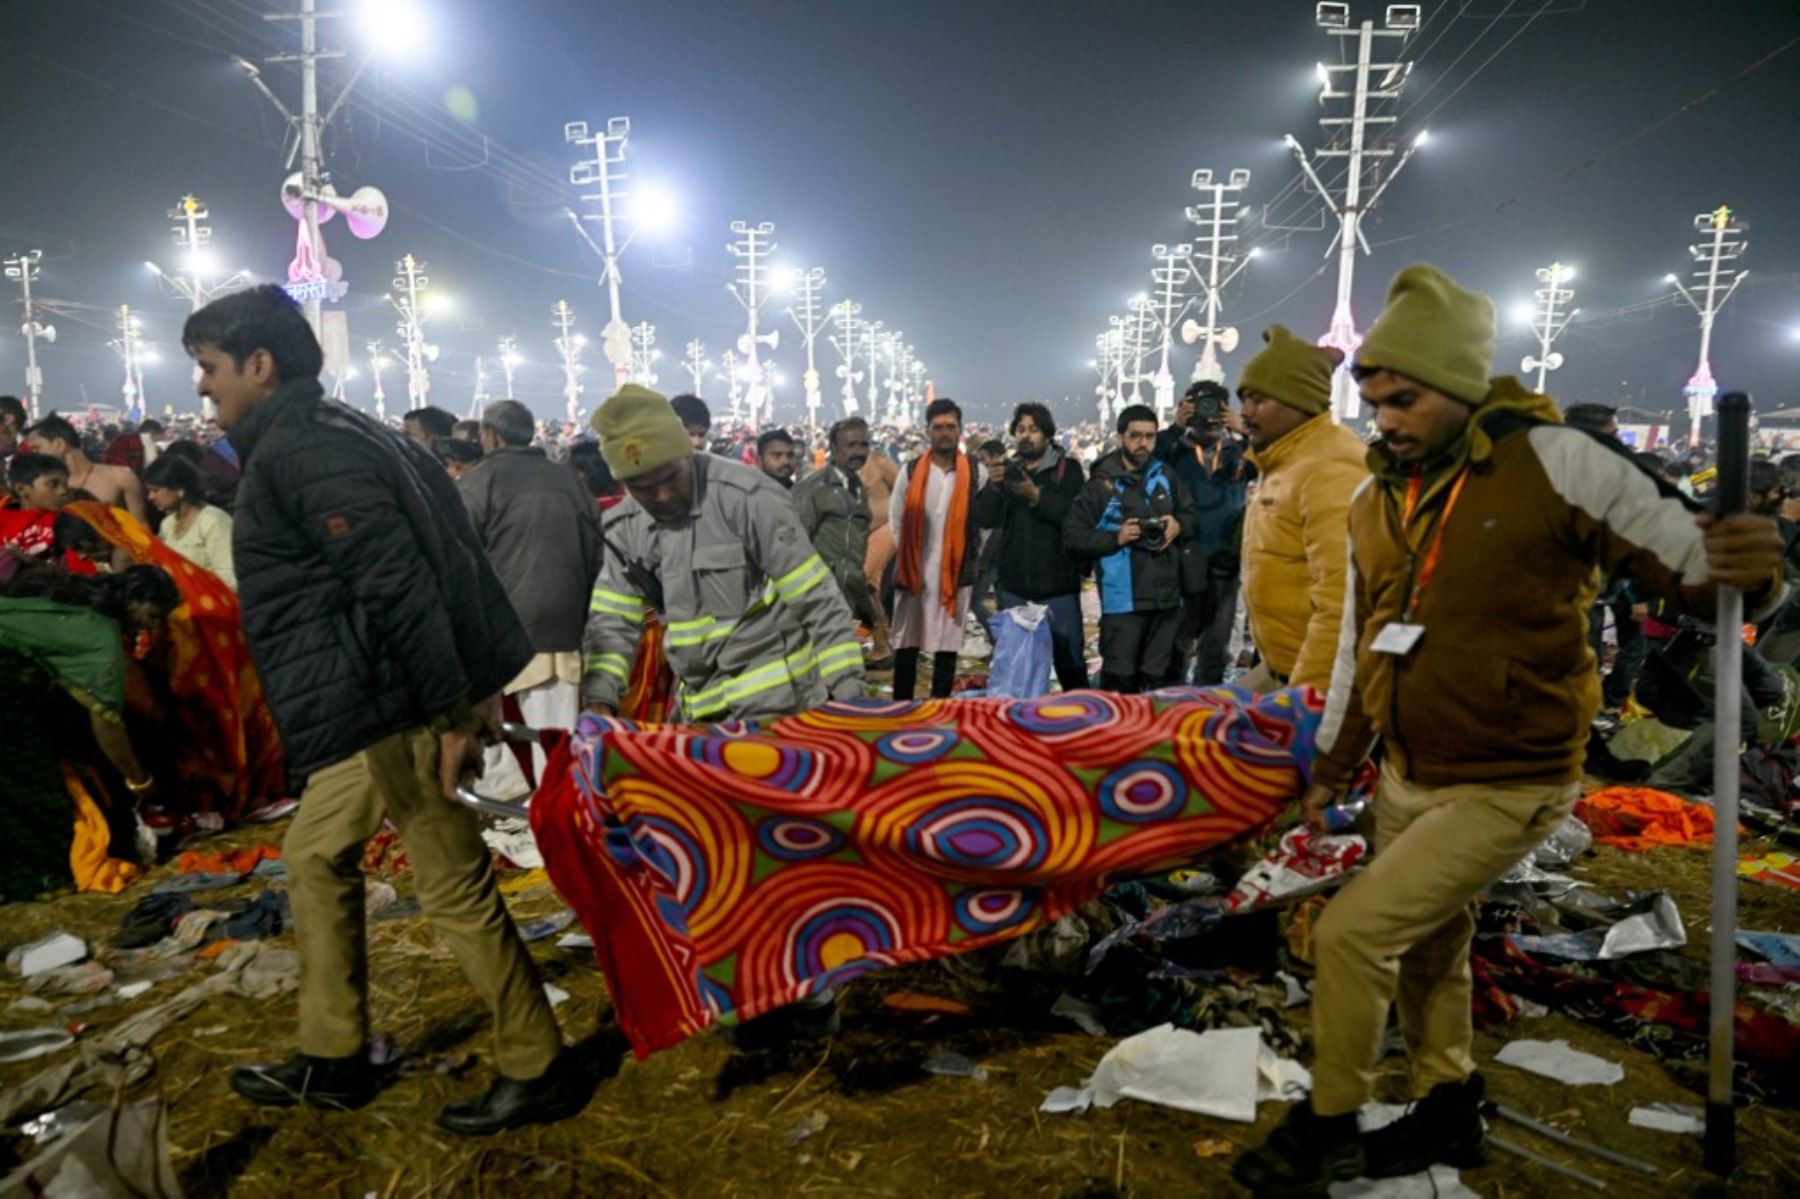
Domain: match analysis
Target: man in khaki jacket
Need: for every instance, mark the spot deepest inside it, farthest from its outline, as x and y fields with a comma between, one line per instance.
x=1295, y=530
x=1475, y=551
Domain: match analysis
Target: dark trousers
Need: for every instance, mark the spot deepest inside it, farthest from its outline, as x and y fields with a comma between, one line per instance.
x=1067, y=641
x=1204, y=639
x=1633, y=649
x=986, y=586
x=906, y=674
x=1136, y=649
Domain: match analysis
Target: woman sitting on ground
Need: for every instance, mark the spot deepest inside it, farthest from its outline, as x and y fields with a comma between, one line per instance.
x=191, y=527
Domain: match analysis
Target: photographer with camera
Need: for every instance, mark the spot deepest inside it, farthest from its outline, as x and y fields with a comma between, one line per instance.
x=1132, y=519
x=1025, y=502
x=1205, y=450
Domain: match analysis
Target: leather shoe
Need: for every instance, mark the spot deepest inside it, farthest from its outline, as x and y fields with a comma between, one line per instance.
x=560, y=1092
x=340, y=1084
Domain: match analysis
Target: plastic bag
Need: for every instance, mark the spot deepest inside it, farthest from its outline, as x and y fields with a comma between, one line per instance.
x=1570, y=840
x=1304, y=863
x=1022, y=654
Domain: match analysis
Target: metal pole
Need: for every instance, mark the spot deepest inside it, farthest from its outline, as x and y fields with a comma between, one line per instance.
x=24, y=267
x=311, y=169
x=1720, y=1148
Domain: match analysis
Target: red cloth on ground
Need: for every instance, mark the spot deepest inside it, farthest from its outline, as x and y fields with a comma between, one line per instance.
x=235, y=861
x=1640, y=818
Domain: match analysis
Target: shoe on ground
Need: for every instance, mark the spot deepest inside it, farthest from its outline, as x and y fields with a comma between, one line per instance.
x=560, y=1092
x=340, y=1084
x=1302, y=1157
x=1444, y=1128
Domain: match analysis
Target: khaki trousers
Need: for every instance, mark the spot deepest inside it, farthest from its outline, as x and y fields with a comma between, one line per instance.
x=341, y=808
x=1401, y=930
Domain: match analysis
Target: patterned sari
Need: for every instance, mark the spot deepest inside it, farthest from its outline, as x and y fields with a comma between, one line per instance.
x=229, y=756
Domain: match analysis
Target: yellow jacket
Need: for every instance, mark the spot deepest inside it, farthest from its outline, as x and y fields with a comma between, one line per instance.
x=1295, y=535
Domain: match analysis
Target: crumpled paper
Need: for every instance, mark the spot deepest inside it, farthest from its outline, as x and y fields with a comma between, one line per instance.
x=1561, y=1061
x=1224, y=1072
x=1303, y=863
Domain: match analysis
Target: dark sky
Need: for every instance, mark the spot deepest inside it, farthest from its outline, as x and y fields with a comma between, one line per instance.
x=988, y=176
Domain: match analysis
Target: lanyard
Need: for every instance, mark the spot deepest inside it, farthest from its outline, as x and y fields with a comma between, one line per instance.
x=1428, y=567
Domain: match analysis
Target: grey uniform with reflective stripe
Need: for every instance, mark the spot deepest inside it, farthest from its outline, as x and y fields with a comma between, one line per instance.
x=755, y=626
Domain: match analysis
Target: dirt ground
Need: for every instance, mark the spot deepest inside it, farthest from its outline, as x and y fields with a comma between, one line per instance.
x=701, y=1120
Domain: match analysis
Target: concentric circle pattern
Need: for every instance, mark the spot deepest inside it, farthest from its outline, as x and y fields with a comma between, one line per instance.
x=1143, y=792
x=795, y=839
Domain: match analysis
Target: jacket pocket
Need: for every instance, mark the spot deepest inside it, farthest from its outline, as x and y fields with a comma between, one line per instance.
x=722, y=580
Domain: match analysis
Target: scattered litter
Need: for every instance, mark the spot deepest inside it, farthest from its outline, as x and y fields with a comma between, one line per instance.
x=1530, y=1009
x=574, y=941
x=1213, y=1147
x=1640, y=818
x=1085, y=1015
x=150, y=919
x=1571, y=839
x=1651, y=921
x=1172, y=922
x=114, y=1152
x=1304, y=863
x=384, y=1052
x=266, y=916
x=279, y=810
x=1057, y=950
x=271, y=868
x=812, y=1122
x=1773, y=869
x=235, y=861
x=555, y=994
x=29, y=1003
x=1779, y=949
x=548, y=926
x=1561, y=1061
x=955, y=1065
x=79, y=978
x=61, y=1122
x=1297, y=994
x=1670, y=1117
x=1194, y=882
x=511, y=838
x=21, y=1044
x=57, y=949
x=1440, y=1182
x=525, y=880
x=912, y=1001
x=378, y=896
x=1223, y=1072
x=183, y=884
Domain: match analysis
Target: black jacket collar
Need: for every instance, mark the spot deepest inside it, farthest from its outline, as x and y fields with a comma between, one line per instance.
x=250, y=430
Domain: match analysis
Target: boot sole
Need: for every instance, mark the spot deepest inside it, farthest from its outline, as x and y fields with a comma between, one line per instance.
x=553, y=1115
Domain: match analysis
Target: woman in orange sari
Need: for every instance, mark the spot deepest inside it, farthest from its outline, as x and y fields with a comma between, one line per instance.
x=229, y=753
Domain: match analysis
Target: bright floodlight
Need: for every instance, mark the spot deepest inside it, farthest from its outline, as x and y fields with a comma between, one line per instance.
x=152, y=267
x=1669, y=278
x=1524, y=313
x=1424, y=136
x=1794, y=333
x=1255, y=252
x=437, y=303
x=655, y=208
x=392, y=28
x=1324, y=75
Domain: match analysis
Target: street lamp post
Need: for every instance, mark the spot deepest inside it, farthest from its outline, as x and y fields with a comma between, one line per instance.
x=752, y=246
x=605, y=170
x=24, y=269
x=1722, y=244
x=1171, y=275
x=847, y=316
x=810, y=317
x=568, y=347
x=1549, y=319
x=409, y=284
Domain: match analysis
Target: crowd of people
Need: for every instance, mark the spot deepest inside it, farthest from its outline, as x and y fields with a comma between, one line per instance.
x=295, y=600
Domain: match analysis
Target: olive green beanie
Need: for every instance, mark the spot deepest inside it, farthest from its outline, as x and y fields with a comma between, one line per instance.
x=1434, y=331
x=639, y=432
x=1293, y=371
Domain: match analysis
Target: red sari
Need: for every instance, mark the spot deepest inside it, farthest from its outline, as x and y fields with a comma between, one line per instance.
x=229, y=758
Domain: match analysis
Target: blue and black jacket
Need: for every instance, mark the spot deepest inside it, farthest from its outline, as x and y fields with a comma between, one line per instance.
x=1132, y=578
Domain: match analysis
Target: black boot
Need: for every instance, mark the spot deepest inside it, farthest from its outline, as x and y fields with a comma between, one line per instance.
x=1444, y=1128
x=1303, y=1157
x=906, y=674
x=335, y=1083
x=560, y=1092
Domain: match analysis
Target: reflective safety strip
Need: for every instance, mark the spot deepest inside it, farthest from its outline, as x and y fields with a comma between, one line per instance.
x=703, y=704
x=802, y=578
x=697, y=631
x=613, y=664
x=611, y=603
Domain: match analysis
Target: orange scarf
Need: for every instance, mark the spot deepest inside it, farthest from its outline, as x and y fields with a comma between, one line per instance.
x=910, y=571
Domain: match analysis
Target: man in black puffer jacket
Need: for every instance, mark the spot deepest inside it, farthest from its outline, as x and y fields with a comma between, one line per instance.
x=382, y=635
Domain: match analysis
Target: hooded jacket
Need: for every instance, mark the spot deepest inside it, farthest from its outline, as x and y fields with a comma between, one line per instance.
x=1133, y=578
x=369, y=605
x=1294, y=546
x=1501, y=686
x=1034, y=565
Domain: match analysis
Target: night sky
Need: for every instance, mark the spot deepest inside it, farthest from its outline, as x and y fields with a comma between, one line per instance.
x=987, y=176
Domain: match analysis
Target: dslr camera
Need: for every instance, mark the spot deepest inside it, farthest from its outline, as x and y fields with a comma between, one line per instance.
x=1015, y=471
x=1154, y=530
x=1210, y=401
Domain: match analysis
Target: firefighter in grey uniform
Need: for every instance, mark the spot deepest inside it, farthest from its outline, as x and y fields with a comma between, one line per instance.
x=755, y=625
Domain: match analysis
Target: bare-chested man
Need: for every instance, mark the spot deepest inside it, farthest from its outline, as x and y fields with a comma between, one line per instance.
x=114, y=486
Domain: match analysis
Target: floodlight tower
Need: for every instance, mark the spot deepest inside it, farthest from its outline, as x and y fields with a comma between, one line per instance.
x=377, y=360
x=568, y=346
x=195, y=283
x=1365, y=140
x=24, y=268
x=1138, y=327
x=872, y=332
x=1172, y=274
x=643, y=352
x=605, y=170
x=810, y=317
x=409, y=285
x=1722, y=243
x=129, y=345
x=752, y=248
x=479, y=401
x=1550, y=316
x=696, y=364
x=1215, y=265
x=509, y=361
x=847, y=316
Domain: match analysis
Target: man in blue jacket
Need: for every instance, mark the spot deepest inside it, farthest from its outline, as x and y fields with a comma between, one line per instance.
x=382, y=636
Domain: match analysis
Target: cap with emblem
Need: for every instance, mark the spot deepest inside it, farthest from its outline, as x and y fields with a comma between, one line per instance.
x=639, y=432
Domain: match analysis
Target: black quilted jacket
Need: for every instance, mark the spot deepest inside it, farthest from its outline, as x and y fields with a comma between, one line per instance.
x=369, y=605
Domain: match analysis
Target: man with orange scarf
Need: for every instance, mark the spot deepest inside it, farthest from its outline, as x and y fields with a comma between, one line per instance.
x=933, y=513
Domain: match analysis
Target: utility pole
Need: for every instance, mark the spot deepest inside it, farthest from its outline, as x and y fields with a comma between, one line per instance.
x=847, y=316
x=605, y=170
x=1359, y=136
x=377, y=360
x=752, y=248
x=408, y=284
x=696, y=364
x=872, y=331
x=1721, y=244
x=509, y=360
x=478, y=402
x=1547, y=321
x=1135, y=330
x=130, y=348
x=807, y=314
x=1171, y=275
x=1216, y=265
x=194, y=283
x=568, y=346
x=643, y=351
x=735, y=389
x=24, y=268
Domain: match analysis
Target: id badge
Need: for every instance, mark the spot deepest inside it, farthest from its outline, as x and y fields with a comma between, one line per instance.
x=1397, y=639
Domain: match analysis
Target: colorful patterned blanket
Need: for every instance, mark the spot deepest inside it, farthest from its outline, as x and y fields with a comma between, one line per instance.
x=724, y=871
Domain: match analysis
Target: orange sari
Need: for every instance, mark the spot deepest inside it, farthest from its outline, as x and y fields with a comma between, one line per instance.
x=229, y=758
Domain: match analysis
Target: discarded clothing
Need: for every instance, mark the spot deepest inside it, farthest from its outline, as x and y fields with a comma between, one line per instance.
x=724, y=872
x=1639, y=818
x=152, y=918
x=236, y=861
x=188, y=883
x=266, y=916
x=1223, y=1073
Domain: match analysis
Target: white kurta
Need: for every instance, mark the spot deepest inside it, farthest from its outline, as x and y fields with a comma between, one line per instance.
x=920, y=621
